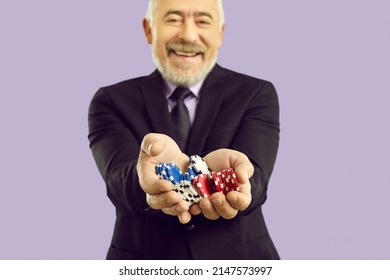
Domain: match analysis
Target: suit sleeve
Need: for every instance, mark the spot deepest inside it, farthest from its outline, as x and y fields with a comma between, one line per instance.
x=258, y=138
x=115, y=149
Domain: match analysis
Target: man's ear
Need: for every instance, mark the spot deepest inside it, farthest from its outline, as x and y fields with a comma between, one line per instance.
x=221, y=33
x=148, y=30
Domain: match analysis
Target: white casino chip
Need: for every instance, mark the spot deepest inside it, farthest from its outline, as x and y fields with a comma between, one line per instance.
x=199, y=165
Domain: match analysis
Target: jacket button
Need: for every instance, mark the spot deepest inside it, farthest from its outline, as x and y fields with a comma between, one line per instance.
x=190, y=227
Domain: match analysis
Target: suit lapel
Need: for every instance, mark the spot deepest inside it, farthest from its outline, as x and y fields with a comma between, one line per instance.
x=152, y=90
x=211, y=97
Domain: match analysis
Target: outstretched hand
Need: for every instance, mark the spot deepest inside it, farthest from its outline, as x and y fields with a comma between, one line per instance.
x=219, y=205
x=157, y=148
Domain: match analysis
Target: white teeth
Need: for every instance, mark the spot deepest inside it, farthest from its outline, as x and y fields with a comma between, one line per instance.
x=185, y=54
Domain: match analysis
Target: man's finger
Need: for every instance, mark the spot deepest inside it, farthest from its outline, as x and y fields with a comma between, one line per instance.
x=222, y=206
x=166, y=200
x=185, y=217
x=151, y=184
x=238, y=200
x=195, y=209
x=175, y=210
x=208, y=209
x=243, y=168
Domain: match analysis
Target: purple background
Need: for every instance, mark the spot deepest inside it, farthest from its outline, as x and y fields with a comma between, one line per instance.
x=329, y=60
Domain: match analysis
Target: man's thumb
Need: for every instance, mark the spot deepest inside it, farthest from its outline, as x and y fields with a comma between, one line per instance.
x=152, y=144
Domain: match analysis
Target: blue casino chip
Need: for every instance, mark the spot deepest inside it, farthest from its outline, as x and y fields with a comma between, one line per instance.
x=191, y=172
x=173, y=173
x=186, y=177
x=161, y=171
x=182, y=182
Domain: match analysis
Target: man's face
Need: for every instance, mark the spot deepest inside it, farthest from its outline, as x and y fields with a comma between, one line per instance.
x=185, y=38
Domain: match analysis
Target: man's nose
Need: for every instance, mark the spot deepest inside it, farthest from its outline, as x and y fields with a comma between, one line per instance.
x=189, y=31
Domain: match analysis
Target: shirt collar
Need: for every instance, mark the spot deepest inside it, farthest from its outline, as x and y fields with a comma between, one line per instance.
x=170, y=87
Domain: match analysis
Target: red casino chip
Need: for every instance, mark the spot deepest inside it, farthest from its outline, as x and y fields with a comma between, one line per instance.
x=219, y=182
x=230, y=180
x=204, y=185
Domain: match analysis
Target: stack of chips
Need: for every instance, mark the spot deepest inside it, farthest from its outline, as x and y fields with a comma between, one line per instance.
x=225, y=181
x=181, y=183
x=199, y=181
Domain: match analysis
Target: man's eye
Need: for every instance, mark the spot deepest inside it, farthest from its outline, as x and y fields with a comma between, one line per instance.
x=203, y=22
x=173, y=20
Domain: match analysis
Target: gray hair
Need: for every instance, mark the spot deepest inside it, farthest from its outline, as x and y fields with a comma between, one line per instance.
x=152, y=4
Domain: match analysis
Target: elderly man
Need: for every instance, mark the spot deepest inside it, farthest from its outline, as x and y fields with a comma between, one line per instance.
x=230, y=119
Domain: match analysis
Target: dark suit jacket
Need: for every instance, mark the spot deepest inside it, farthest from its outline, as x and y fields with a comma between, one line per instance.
x=235, y=111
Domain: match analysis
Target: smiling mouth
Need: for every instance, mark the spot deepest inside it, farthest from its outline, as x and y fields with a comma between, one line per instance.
x=186, y=54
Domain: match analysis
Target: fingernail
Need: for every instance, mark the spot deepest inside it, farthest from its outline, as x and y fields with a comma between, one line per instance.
x=150, y=147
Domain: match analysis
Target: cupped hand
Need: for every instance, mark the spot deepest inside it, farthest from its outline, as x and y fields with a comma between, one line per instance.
x=160, y=148
x=219, y=205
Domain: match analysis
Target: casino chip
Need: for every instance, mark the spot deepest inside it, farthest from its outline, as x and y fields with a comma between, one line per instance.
x=204, y=185
x=173, y=172
x=198, y=182
x=181, y=182
x=199, y=166
x=219, y=182
x=230, y=180
x=191, y=173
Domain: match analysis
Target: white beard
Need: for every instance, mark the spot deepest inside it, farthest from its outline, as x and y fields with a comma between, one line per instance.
x=182, y=75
